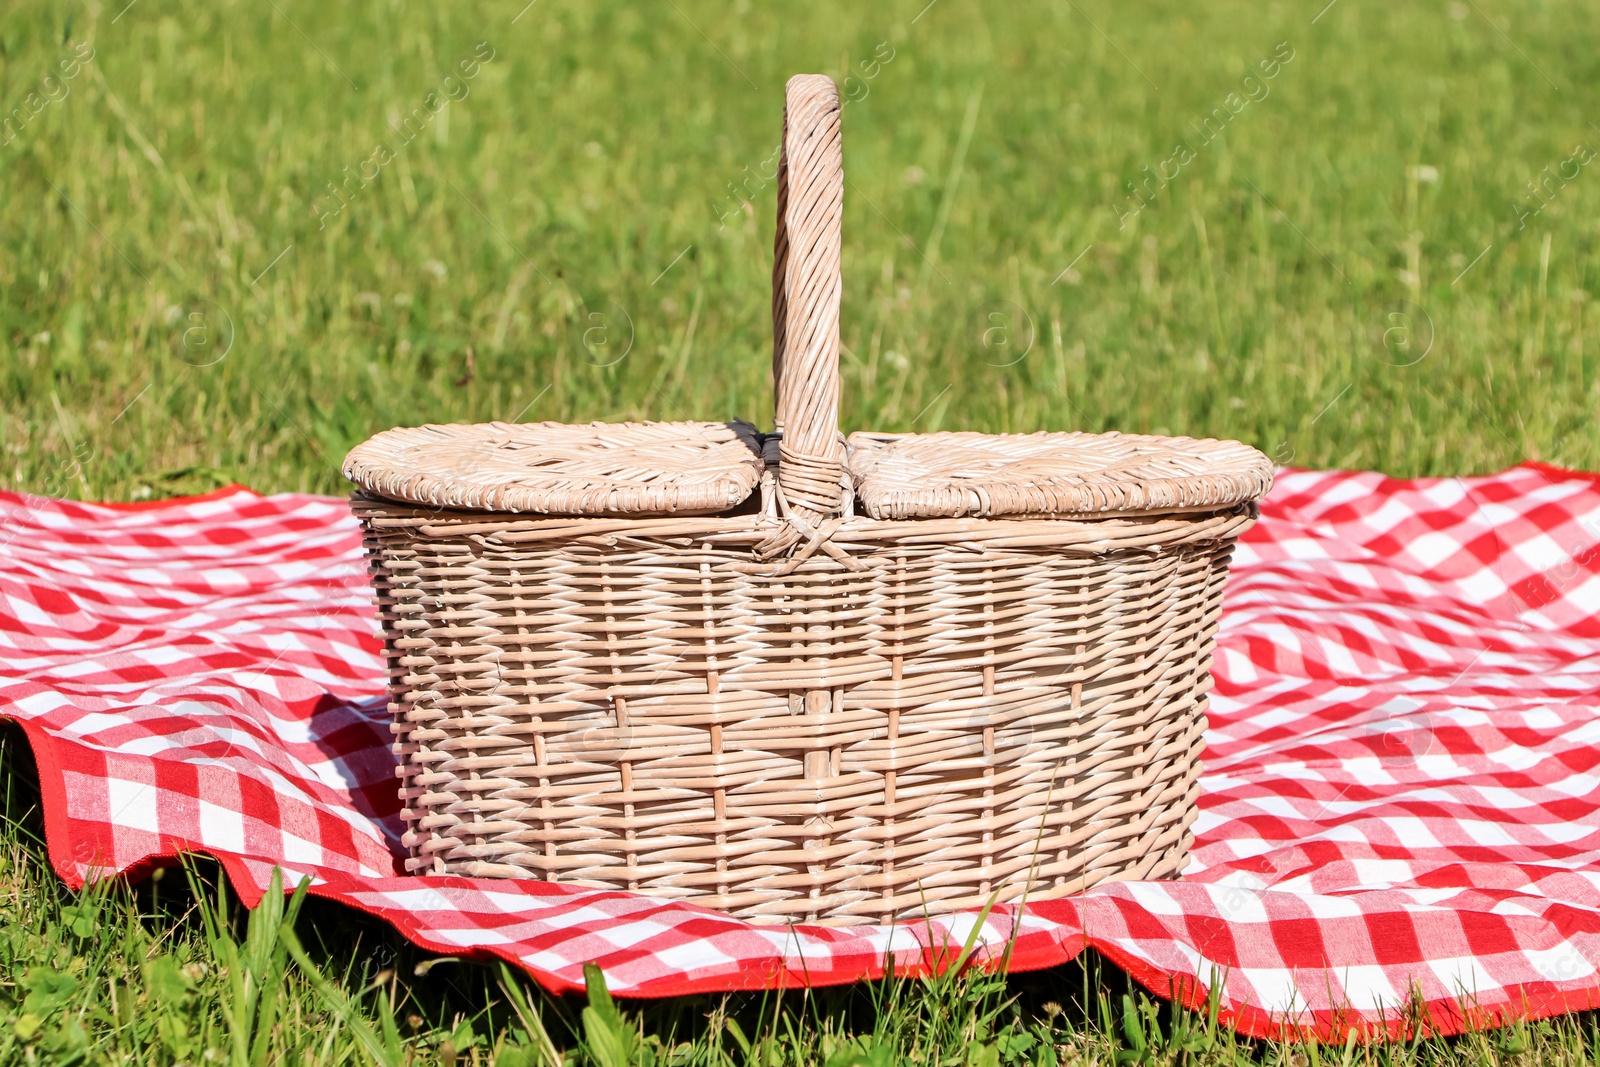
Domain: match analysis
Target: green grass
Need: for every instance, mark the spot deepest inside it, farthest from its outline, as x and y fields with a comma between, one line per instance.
x=601, y=141
x=1344, y=277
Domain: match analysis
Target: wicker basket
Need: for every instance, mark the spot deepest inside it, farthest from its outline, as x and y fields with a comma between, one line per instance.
x=678, y=658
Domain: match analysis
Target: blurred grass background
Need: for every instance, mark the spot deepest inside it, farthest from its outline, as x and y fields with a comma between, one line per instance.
x=1299, y=284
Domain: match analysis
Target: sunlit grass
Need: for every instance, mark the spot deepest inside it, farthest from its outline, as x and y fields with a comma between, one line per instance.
x=1349, y=275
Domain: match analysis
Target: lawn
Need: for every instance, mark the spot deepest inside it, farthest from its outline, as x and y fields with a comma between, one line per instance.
x=238, y=239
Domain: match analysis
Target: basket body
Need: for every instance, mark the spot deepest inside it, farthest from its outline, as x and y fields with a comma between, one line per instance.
x=970, y=710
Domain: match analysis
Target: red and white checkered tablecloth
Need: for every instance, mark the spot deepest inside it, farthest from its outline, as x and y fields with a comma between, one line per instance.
x=1401, y=796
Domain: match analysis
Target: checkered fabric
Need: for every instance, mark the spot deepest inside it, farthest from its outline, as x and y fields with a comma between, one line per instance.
x=1399, y=805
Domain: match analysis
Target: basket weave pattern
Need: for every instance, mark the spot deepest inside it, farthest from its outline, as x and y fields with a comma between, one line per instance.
x=917, y=735
x=991, y=686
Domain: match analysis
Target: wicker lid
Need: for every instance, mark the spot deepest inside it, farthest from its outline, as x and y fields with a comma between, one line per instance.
x=1065, y=475
x=550, y=468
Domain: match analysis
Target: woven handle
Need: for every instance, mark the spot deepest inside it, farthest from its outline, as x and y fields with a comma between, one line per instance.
x=805, y=298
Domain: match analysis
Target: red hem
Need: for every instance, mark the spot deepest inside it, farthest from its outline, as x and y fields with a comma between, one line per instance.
x=231, y=489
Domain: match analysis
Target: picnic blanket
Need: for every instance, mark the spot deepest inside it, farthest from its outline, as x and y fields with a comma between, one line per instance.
x=1400, y=803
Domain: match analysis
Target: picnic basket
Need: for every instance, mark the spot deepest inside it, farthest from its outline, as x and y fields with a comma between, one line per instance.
x=792, y=676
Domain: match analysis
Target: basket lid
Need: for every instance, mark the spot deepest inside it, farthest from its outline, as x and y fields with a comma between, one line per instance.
x=1050, y=475
x=551, y=468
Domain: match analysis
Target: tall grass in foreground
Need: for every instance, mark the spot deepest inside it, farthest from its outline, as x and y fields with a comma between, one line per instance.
x=174, y=971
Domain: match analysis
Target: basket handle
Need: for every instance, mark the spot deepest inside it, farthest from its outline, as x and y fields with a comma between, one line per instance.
x=805, y=299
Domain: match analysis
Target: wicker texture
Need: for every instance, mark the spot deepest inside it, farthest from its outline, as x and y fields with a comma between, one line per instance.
x=793, y=712
x=811, y=477
x=549, y=468
x=940, y=475
x=830, y=744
